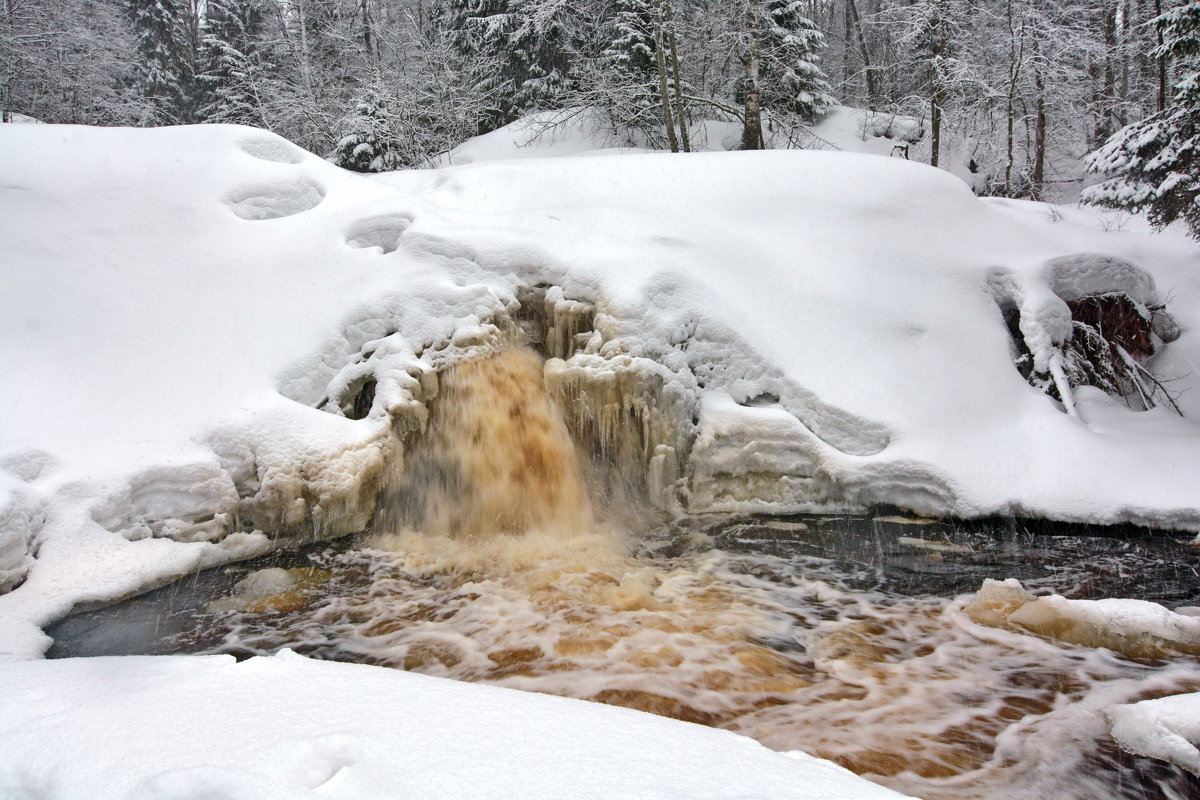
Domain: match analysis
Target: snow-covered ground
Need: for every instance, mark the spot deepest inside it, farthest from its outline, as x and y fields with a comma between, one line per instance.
x=190, y=314
x=287, y=727
x=580, y=131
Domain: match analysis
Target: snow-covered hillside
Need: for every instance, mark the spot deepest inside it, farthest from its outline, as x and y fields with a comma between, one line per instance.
x=214, y=342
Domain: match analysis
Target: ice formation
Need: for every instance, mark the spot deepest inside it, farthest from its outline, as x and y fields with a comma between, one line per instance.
x=1134, y=627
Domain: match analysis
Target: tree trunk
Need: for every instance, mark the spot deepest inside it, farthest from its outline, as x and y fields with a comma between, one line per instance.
x=937, y=89
x=1163, y=65
x=1014, y=74
x=367, y=35
x=663, y=93
x=1039, y=136
x=680, y=109
x=847, y=37
x=868, y=68
x=1123, y=26
x=752, y=134
x=305, y=66
x=1110, y=72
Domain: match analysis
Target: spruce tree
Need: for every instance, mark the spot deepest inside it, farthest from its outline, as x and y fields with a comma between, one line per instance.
x=230, y=62
x=368, y=142
x=1155, y=163
x=517, y=52
x=162, y=78
x=790, y=74
x=629, y=61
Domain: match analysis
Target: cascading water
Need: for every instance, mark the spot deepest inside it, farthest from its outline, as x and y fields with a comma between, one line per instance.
x=487, y=563
x=496, y=458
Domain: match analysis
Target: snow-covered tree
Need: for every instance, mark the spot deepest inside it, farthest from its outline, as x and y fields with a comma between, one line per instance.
x=168, y=44
x=637, y=80
x=1155, y=163
x=518, y=52
x=630, y=60
x=779, y=57
x=368, y=142
x=160, y=79
x=792, y=80
x=68, y=61
x=230, y=60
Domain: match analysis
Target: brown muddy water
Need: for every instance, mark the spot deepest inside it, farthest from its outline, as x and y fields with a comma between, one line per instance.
x=847, y=638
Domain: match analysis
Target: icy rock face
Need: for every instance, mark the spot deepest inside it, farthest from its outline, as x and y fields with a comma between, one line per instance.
x=22, y=513
x=317, y=486
x=691, y=419
x=187, y=503
x=1134, y=627
x=632, y=418
x=754, y=454
x=554, y=323
x=21, y=518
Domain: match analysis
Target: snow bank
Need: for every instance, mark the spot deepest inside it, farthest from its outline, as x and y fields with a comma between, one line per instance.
x=1167, y=728
x=582, y=131
x=275, y=728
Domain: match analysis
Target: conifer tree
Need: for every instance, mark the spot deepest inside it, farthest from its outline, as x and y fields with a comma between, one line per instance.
x=368, y=142
x=161, y=72
x=629, y=62
x=790, y=74
x=517, y=52
x=1155, y=163
x=231, y=62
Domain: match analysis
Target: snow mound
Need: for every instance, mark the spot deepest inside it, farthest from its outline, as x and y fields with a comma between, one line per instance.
x=271, y=728
x=1075, y=276
x=276, y=199
x=579, y=131
x=273, y=148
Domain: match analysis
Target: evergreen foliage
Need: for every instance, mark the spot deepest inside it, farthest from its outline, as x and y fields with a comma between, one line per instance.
x=1155, y=163
x=790, y=75
x=162, y=75
x=1018, y=87
x=230, y=61
x=368, y=142
x=631, y=93
x=517, y=53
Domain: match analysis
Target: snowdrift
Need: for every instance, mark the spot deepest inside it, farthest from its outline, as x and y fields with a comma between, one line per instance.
x=267, y=728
